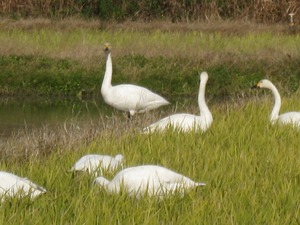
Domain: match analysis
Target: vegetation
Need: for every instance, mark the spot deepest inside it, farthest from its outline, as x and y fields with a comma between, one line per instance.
x=251, y=169
x=61, y=61
x=178, y=10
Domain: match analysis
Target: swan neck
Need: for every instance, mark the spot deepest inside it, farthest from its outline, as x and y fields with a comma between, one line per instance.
x=106, y=84
x=277, y=103
x=113, y=188
x=204, y=110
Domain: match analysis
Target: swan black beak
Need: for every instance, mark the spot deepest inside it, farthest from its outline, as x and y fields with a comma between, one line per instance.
x=254, y=87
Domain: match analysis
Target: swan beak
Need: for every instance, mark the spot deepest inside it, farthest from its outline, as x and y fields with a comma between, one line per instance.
x=254, y=87
x=258, y=85
x=106, y=47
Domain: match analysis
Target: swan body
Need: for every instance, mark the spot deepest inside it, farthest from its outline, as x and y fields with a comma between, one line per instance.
x=187, y=122
x=126, y=97
x=15, y=186
x=92, y=163
x=286, y=118
x=147, y=179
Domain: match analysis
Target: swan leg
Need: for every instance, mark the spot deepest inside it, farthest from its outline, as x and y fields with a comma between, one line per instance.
x=129, y=115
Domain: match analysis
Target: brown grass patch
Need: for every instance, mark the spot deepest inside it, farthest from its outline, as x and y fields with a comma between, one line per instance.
x=235, y=27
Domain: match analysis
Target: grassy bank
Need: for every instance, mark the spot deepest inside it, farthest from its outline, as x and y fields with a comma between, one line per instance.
x=42, y=76
x=251, y=169
x=43, y=57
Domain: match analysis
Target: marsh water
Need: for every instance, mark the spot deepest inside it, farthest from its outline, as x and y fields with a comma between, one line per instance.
x=21, y=113
x=18, y=113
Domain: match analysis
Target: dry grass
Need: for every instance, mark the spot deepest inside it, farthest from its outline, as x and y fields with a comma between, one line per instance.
x=68, y=24
x=226, y=27
x=73, y=135
x=265, y=11
x=41, y=141
x=212, y=42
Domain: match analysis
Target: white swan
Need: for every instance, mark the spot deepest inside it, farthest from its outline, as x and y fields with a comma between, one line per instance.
x=126, y=97
x=187, y=122
x=147, y=179
x=15, y=186
x=286, y=118
x=92, y=163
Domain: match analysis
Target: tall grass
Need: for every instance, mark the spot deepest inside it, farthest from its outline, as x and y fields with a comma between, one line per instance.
x=174, y=10
x=86, y=44
x=251, y=169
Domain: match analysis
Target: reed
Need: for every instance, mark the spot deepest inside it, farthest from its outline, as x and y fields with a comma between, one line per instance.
x=175, y=11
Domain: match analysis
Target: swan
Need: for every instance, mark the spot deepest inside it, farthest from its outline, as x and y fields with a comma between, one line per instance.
x=187, y=122
x=14, y=186
x=92, y=163
x=286, y=118
x=147, y=179
x=127, y=97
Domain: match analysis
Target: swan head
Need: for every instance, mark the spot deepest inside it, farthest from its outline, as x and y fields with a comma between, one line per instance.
x=119, y=157
x=101, y=181
x=263, y=84
x=106, y=47
x=203, y=76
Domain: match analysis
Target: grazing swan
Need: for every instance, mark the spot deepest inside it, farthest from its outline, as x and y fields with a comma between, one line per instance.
x=187, y=122
x=14, y=186
x=286, y=118
x=147, y=179
x=93, y=163
x=126, y=97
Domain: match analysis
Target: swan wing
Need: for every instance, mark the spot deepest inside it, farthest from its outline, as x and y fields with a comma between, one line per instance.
x=128, y=97
x=151, y=179
x=182, y=122
x=290, y=118
x=110, y=163
x=11, y=185
x=87, y=163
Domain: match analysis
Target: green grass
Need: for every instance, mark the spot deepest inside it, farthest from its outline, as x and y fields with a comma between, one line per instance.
x=251, y=169
x=171, y=77
x=64, y=59
x=82, y=43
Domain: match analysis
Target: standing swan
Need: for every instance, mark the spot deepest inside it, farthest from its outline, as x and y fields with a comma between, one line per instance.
x=126, y=97
x=15, y=186
x=187, y=122
x=286, y=118
x=147, y=179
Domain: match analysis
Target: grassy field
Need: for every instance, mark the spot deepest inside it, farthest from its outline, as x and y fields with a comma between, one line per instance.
x=251, y=168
